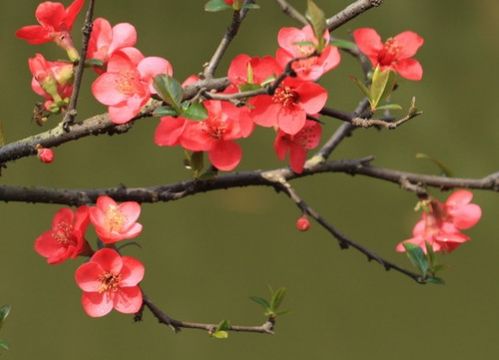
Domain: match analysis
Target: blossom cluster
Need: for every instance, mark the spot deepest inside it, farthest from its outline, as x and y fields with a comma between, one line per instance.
x=108, y=280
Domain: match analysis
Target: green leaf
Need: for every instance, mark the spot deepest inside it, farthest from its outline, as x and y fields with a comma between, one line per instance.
x=261, y=301
x=443, y=168
x=277, y=298
x=304, y=43
x=197, y=163
x=164, y=111
x=435, y=280
x=249, y=87
x=169, y=90
x=362, y=87
x=251, y=6
x=344, y=44
x=417, y=257
x=216, y=5
x=4, y=312
x=4, y=345
x=94, y=62
x=196, y=111
x=381, y=86
x=315, y=16
x=223, y=325
x=389, y=107
x=222, y=335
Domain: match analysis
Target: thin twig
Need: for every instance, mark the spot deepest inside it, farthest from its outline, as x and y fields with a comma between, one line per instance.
x=230, y=34
x=343, y=241
x=350, y=12
x=291, y=12
x=71, y=113
x=177, y=325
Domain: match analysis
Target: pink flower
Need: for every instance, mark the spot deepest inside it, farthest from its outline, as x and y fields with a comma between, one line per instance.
x=245, y=70
x=297, y=43
x=216, y=135
x=105, y=40
x=298, y=145
x=303, y=224
x=440, y=226
x=56, y=23
x=109, y=281
x=66, y=239
x=287, y=109
x=229, y=2
x=127, y=85
x=114, y=222
x=395, y=54
x=53, y=80
x=45, y=155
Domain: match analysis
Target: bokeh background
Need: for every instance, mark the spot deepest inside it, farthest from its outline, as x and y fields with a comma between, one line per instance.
x=206, y=254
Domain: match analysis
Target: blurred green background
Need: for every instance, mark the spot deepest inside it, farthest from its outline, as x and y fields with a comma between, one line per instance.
x=206, y=254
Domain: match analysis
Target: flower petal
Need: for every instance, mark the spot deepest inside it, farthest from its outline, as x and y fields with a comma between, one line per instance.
x=106, y=91
x=409, y=42
x=34, y=34
x=169, y=131
x=87, y=276
x=225, y=155
x=123, y=35
x=409, y=68
x=368, y=41
x=51, y=14
x=297, y=158
x=72, y=12
x=96, y=304
x=132, y=272
x=128, y=300
x=109, y=260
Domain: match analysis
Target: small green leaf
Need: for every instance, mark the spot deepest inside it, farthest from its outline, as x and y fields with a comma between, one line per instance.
x=197, y=163
x=361, y=86
x=381, y=86
x=223, y=325
x=344, y=44
x=277, y=298
x=251, y=6
x=4, y=345
x=315, y=16
x=249, y=87
x=304, y=43
x=196, y=111
x=417, y=257
x=222, y=335
x=94, y=62
x=169, y=90
x=443, y=168
x=389, y=107
x=260, y=301
x=216, y=5
x=435, y=280
x=4, y=312
x=164, y=111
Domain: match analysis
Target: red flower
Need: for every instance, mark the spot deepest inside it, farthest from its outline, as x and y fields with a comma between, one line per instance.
x=216, y=134
x=245, y=70
x=440, y=226
x=53, y=80
x=127, y=85
x=45, y=155
x=105, y=40
x=56, y=23
x=229, y=2
x=296, y=43
x=287, y=109
x=66, y=239
x=110, y=281
x=114, y=222
x=297, y=145
x=395, y=54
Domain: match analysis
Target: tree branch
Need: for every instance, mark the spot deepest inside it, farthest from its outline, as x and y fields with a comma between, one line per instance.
x=230, y=34
x=350, y=12
x=291, y=12
x=177, y=325
x=71, y=113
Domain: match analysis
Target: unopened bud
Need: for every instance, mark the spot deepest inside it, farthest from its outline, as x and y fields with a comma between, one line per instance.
x=303, y=224
x=45, y=155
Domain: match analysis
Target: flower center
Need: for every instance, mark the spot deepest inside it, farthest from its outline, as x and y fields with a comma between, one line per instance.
x=109, y=282
x=215, y=128
x=389, y=53
x=129, y=83
x=115, y=219
x=63, y=234
x=285, y=96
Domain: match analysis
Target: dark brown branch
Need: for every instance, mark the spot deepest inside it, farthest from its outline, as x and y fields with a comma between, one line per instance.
x=230, y=34
x=343, y=241
x=291, y=12
x=350, y=12
x=180, y=190
x=177, y=325
x=71, y=113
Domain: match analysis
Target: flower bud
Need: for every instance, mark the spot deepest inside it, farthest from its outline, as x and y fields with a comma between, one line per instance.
x=45, y=155
x=302, y=224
